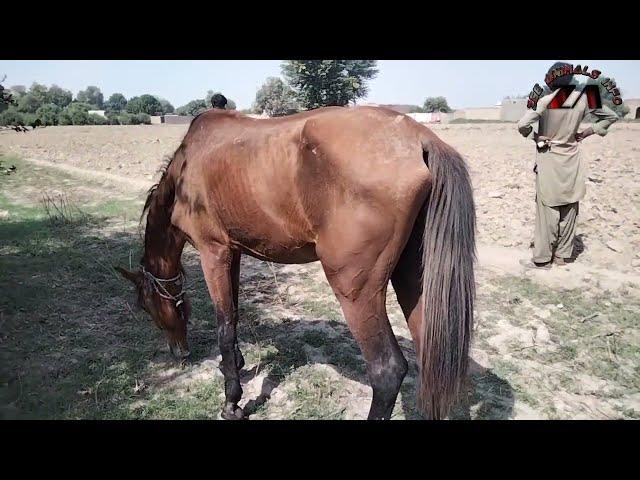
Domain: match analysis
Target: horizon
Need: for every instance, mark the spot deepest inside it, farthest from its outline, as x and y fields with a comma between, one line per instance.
x=464, y=83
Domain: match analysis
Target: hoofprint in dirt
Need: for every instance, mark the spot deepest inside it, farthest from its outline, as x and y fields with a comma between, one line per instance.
x=563, y=345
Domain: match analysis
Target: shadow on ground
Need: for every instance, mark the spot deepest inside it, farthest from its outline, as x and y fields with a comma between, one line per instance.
x=72, y=347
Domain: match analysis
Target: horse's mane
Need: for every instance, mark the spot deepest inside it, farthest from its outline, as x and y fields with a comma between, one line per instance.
x=158, y=187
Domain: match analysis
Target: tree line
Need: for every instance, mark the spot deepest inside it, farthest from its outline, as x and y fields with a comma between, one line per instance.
x=305, y=85
x=41, y=106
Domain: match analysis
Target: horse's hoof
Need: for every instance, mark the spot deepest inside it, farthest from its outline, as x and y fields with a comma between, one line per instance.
x=232, y=413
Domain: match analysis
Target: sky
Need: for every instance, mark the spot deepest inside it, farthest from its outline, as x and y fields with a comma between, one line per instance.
x=464, y=83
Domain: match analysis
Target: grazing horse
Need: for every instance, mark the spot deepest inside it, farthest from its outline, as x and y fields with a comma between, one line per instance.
x=371, y=194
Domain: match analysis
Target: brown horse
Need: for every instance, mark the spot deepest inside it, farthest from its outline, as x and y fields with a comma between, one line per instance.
x=371, y=194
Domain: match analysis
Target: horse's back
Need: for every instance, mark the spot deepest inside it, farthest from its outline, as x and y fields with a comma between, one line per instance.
x=272, y=185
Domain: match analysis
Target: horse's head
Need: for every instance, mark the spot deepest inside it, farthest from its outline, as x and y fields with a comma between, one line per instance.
x=166, y=301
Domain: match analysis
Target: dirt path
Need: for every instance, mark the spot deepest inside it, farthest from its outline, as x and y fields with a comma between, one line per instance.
x=120, y=180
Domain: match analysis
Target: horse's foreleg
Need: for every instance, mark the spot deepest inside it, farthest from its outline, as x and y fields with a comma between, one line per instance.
x=235, y=283
x=221, y=266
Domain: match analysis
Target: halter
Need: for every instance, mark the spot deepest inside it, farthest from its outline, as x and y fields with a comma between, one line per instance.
x=158, y=285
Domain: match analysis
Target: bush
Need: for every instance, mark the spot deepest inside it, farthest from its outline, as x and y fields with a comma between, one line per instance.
x=48, y=114
x=144, y=104
x=11, y=117
x=143, y=119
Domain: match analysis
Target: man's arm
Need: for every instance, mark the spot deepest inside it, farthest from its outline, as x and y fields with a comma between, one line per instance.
x=605, y=118
x=525, y=125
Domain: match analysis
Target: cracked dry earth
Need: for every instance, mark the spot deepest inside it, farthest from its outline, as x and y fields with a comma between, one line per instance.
x=551, y=344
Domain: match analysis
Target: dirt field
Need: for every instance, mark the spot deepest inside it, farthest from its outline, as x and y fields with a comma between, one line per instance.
x=552, y=344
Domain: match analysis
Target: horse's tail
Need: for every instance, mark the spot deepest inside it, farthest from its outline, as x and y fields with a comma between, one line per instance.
x=448, y=284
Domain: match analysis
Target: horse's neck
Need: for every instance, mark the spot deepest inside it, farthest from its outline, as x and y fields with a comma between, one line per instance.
x=163, y=242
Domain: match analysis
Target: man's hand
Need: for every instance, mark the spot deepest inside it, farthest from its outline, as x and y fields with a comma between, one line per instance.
x=542, y=144
x=584, y=134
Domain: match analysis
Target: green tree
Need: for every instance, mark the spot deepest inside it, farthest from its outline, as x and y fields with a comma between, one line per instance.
x=18, y=91
x=48, y=114
x=194, y=107
x=59, y=96
x=165, y=106
x=11, y=117
x=76, y=113
x=6, y=97
x=116, y=103
x=319, y=83
x=436, y=104
x=91, y=95
x=39, y=92
x=144, y=104
x=29, y=103
x=275, y=98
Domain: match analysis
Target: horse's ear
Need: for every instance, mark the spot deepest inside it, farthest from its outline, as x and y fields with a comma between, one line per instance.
x=133, y=277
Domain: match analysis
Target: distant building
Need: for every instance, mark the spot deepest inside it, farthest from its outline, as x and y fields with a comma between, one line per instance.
x=98, y=112
x=512, y=109
x=435, y=117
x=177, y=119
x=634, y=107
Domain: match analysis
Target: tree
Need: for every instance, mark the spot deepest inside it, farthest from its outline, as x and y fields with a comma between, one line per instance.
x=275, y=98
x=6, y=98
x=29, y=103
x=116, y=103
x=436, y=104
x=165, y=106
x=39, y=92
x=91, y=95
x=194, y=107
x=59, y=96
x=18, y=90
x=11, y=117
x=319, y=83
x=144, y=104
x=48, y=114
x=76, y=113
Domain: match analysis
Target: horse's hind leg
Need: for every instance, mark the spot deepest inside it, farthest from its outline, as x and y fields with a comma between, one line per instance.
x=220, y=266
x=357, y=268
x=407, y=282
x=386, y=366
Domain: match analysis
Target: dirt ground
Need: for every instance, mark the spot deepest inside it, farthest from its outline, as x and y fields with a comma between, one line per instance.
x=562, y=343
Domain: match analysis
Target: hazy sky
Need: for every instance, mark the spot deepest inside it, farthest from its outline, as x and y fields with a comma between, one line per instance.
x=463, y=83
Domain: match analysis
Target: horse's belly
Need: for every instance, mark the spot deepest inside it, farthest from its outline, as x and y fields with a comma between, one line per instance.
x=280, y=253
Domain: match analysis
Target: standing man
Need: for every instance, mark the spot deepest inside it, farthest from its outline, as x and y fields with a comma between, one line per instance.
x=560, y=171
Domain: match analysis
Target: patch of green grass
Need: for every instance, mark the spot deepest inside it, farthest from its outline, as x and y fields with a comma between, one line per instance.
x=324, y=310
x=71, y=348
x=315, y=396
x=202, y=402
